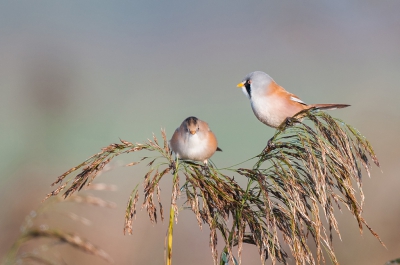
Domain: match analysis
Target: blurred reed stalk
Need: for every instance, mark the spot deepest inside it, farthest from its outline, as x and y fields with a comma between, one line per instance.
x=37, y=229
x=312, y=163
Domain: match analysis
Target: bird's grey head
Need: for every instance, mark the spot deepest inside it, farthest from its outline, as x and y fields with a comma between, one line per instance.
x=191, y=125
x=254, y=82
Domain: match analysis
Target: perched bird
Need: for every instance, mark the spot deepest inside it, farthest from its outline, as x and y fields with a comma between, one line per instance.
x=194, y=140
x=271, y=103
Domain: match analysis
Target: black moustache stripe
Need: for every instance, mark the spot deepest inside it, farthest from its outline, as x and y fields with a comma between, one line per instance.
x=247, y=86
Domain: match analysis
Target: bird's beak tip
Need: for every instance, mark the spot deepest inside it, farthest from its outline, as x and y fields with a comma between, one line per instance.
x=240, y=85
x=193, y=132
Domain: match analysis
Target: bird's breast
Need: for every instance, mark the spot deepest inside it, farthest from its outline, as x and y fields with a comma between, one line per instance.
x=194, y=147
x=267, y=111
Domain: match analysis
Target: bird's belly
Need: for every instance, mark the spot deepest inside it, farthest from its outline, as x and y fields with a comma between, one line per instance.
x=269, y=112
x=194, y=148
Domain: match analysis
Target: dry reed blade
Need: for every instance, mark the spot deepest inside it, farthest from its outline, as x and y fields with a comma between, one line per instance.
x=62, y=237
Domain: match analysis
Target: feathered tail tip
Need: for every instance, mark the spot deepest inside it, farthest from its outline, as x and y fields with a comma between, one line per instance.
x=329, y=106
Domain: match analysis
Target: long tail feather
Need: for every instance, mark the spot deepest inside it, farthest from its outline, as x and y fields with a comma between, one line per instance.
x=328, y=106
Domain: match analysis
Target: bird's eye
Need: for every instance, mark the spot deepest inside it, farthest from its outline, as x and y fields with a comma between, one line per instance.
x=198, y=128
x=248, y=82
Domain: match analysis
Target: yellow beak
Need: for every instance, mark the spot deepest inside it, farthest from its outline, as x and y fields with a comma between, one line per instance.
x=193, y=132
x=240, y=85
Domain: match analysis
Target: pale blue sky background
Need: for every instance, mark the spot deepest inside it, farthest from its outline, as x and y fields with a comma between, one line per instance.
x=76, y=75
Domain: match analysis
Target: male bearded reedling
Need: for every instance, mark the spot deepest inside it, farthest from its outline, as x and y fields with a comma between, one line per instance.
x=194, y=140
x=271, y=103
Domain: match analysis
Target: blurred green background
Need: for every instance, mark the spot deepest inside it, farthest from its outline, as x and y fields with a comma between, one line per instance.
x=77, y=75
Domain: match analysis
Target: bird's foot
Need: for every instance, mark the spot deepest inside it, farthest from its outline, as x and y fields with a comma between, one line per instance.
x=269, y=147
x=172, y=165
x=289, y=121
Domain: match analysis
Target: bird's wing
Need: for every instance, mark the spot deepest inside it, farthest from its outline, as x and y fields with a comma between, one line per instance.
x=277, y=90
x=174, y=139
x=296, y=99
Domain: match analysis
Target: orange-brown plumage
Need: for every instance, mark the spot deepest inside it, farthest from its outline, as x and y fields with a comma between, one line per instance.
x=271, y=103
x=194, y=140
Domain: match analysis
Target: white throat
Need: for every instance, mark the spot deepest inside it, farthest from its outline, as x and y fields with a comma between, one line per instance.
x=193, y=148
x=245, y=92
